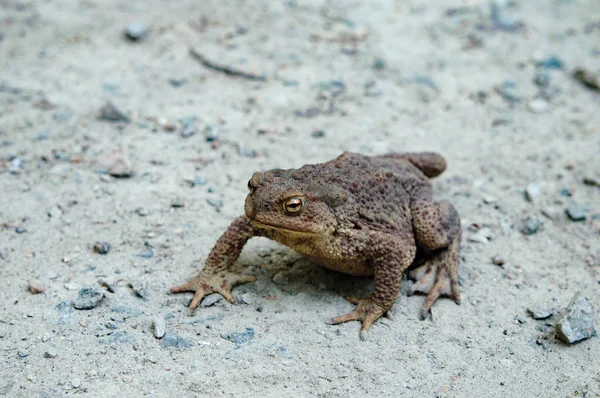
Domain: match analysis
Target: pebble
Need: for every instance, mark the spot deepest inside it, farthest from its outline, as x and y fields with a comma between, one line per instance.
x=587, y=78
x=246, y=298
x=576, y=212
x=379, y=64
x=551, y=63
x=22, y=354
x=529, y=226
x=89, y=297
x=51, y=353
x=147, y=253
x=178, y=203
x=216, y=203
x=532, y=192
x=20, y=230
x=317, y=134
x=498, y=260
x=578, y=322
x=159, y=326
x=110, y=325
x=239, y=338
x=111, y=113
x=489, y=200
x=140, y=288
x=115, y=163
x=591, y=181
x=538, y=105
x=196, y=181
x=172, y=340
x=36, y=286
x=211, y=300
x=211, y=133
x=373, y=89
x=136, y=31
x=539, y=313
x=541, y=79
x=565, y=192
x=76, y=382
x=177, y=82
x=142, y=212
x=102, y=247
x=189, y=128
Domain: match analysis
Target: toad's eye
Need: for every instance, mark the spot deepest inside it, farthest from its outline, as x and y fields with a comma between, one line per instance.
x=293, y=205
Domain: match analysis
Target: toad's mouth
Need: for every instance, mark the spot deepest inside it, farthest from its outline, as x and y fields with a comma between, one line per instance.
x=284, y=230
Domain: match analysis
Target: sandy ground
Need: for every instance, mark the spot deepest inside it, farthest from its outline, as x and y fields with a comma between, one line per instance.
x=473, y=82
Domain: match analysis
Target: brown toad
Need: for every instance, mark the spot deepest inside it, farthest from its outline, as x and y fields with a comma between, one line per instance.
x=356, y=214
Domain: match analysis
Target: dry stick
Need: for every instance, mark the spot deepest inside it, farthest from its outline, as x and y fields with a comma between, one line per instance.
x=224, y=69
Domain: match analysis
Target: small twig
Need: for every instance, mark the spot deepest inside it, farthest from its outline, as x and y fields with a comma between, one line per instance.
x=228, y=70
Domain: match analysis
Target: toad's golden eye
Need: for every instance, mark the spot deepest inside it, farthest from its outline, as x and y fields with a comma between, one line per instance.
x=293, y=205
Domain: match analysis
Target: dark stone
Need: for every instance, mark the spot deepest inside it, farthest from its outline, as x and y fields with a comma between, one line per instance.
x=578, y=322
x=172, y=340
x=110, y=113
x=239, y=338
x=529, y=226
x=102, y=247
x=539, y=313
x=89, y=298
x=551, y=63
x=576, y=212
x=318, y=134
x=136, y=31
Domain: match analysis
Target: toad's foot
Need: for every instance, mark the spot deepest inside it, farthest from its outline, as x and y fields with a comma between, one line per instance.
x=438, y=276
x=367, y=311
x=207, y=283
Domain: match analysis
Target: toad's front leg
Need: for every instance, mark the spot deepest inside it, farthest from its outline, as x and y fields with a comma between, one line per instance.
x=391, y=255
x=216, y=277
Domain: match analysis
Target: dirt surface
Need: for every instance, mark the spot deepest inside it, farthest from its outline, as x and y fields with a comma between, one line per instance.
x=491, y=87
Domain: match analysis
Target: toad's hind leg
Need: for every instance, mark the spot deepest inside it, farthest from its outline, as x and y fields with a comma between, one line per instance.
x=438, y=277
x=437, y=228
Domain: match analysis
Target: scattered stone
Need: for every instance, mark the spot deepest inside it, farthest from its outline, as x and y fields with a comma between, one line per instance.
x=551, y=63
x=247, y=152
x=281, y=278
x=211, y=300
x=489, y=200
x=189, y=128
x=51, y=353
x=177, y=82
x=532, y=192
x=542, y=79
x=76, y=382
x=159, y=326
x=136, y=31
x=196, y=181
x=146, y=253
x=140, y=211
x=379, y=64
x=216, y=203
x=482, y=235
x=178, y=202
x=578, y=322
x=106, y=285
x=501, y=21
x=22, y=354
x=539, y=313
x=140, y=288
x=115, y=163
x=102, y=247
x=110, y=325
x=20, y=230
x=36, y=286
x=172, y=340
x=538, y=105
x=89, y=298
x=239, y=338
x=111, y=113
x=373, y=89
x=587, y=78
x=318, y=134
x=529, y=226
x=576, y=212
x=211, y=133
x=498, y=260
x=246, y=298
x=591, y=181
x=565, y=192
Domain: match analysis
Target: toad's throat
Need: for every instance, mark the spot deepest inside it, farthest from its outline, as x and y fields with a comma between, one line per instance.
x=284, y=230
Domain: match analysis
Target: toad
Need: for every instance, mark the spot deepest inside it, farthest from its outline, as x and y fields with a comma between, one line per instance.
x=360, y=215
